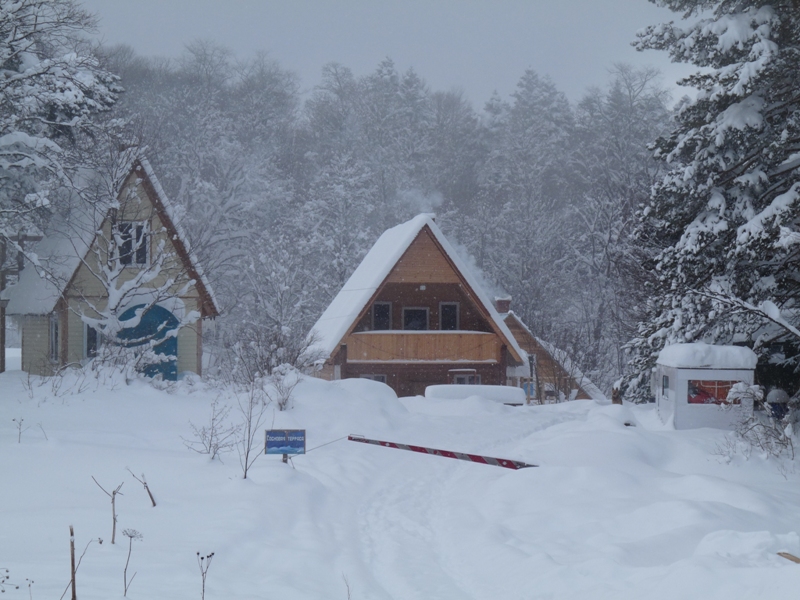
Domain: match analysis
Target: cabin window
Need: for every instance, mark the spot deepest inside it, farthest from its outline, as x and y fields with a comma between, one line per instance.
x=381, y=316
x=133, y=248
x=664, y=385
x=381, y=378
x=415, y=319
x=90, y=339
x=465, y=379
x=54, y=337
x=448, y=316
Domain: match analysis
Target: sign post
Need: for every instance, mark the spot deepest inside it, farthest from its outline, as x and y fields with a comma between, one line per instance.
x=285, y=442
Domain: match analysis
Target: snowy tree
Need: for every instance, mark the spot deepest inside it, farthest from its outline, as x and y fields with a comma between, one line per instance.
x=723, y=222
x=524, y=197
x=336, y=219
x=614, y=170
x=51, y=89
x=222, y=134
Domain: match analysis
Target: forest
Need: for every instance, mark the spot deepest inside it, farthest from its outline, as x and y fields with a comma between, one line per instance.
x=284, y=195
x=614, y=223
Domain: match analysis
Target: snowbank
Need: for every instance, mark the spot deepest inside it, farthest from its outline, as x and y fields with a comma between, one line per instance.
x=612, y=511
x=498, y=393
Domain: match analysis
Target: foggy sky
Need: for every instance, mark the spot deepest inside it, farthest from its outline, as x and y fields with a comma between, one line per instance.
x=478, y=46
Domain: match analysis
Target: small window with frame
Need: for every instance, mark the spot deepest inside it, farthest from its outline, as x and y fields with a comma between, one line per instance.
x=449, y=316
x=415, y=319
x=467, y=379
x=54, y=338
x=91, y=341
x=134, y=247
x=381, y=316
x=664, y=385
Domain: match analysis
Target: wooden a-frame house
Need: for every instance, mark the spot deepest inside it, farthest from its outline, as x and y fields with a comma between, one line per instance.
x=412, y=315
x=55, y=298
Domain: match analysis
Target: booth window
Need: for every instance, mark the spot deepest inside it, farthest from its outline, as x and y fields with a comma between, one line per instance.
x=710, y=392
x=664, y=385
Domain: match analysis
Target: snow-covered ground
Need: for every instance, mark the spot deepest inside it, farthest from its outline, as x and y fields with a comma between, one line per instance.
x=611, y=512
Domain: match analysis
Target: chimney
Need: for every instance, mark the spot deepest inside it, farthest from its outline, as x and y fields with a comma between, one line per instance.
x=503, y=304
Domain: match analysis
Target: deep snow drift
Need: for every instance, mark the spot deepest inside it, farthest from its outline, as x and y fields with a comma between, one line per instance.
x=613, y=511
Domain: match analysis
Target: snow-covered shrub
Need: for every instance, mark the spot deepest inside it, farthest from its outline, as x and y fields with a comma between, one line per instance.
x=280, y=385
x=263, y=350
x=252, y=405
x=759, y=428
x=217, y=436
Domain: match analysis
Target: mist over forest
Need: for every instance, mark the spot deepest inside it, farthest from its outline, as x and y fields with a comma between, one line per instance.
x=282, y=195
x=580, y=211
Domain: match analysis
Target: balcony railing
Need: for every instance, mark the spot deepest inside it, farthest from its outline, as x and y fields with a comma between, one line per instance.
x=473, y=346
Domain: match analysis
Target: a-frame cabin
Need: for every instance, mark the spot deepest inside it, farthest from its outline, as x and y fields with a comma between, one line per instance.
x=53, y=298
x=413, y=315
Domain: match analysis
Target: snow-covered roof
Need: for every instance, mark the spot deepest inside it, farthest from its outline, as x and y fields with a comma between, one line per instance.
x=699, y=355
x=582, y=380
x=560, y=356
x=348, y=304
x=170, y=212
x=66, y=243
x=51, y=262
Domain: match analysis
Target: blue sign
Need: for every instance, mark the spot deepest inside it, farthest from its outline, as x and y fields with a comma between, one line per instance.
x=286, y=441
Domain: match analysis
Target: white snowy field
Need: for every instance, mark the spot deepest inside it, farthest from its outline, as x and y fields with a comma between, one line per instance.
x=611, y=511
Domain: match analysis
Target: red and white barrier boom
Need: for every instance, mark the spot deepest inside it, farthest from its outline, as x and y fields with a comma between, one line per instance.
x=486, y=460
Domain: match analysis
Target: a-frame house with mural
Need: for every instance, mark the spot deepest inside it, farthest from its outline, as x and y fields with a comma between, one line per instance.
x=102, y=249
x=412, y=315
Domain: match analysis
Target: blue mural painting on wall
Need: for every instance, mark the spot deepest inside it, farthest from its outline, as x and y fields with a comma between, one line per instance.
x=154, y=325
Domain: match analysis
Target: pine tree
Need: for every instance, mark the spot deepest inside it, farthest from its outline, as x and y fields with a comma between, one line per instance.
x=524, y=197
x=723, y=225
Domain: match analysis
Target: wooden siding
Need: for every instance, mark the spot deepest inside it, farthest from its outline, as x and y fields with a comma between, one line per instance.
x=425, y=346
x=548, y=370
x=36, y=345
x=188, y=341
x=423, y=262
x=410, y=295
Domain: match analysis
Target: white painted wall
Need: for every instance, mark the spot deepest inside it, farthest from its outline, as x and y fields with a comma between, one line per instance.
x=673, y=406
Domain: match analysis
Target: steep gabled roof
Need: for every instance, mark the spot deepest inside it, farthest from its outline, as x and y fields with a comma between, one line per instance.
x=56, y=258
x=350, y=303
x=180, y=240
x=52, y=261
x=561, y=358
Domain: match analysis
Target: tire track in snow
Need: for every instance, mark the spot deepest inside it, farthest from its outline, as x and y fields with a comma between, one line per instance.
x=400, y=542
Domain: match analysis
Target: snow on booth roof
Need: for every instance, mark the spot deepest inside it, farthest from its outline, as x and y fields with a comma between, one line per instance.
x=373, y=270
x=699, y=355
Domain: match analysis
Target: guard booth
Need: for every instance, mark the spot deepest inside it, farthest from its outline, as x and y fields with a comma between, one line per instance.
x=691, y=384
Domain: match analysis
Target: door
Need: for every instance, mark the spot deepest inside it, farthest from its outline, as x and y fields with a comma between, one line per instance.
x=156, y=324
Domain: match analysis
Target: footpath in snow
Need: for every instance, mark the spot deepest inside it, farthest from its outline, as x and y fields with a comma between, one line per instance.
x=613, y=511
